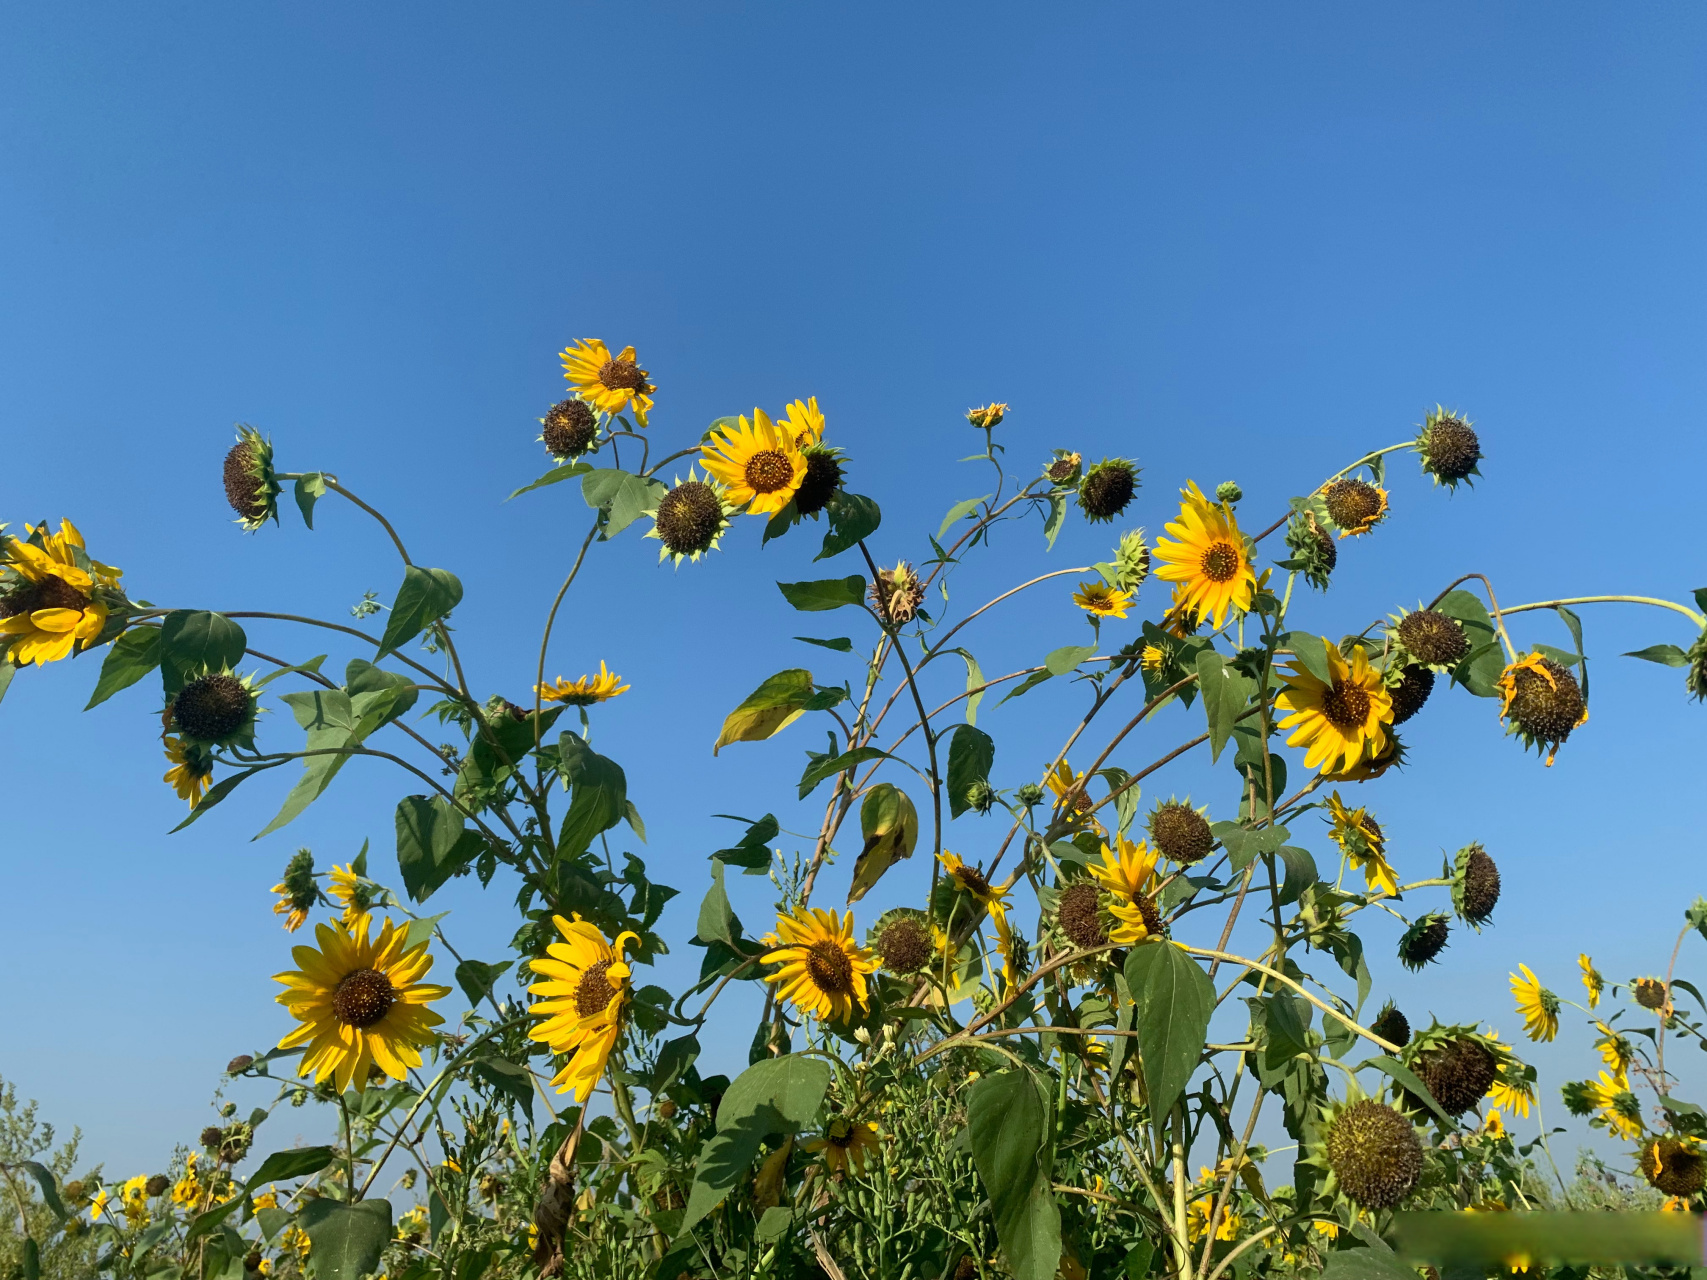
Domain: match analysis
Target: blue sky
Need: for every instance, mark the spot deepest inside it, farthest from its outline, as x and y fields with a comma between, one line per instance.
x=1235, y=243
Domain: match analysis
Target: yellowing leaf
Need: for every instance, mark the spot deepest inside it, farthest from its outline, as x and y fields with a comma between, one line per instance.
x=768, y=710
x=890, y=826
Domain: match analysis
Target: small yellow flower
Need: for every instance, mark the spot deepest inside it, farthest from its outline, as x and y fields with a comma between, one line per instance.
x=1100, y=600
x=191, y=771
x=295, y=1239
x=1494, y=1125
x=352, y=890
x=804, y=421
x=1539, y=1006
x=1593, y=983
x=988, y=416
x=846, y=1144
x=1360, y=838
x=1062, y=781
x=1616, y=1052
x=973, y=882
x=583, y=692
x=1618, y=1107
x=1153, y=658
x=609, y=383
x=268, y=1199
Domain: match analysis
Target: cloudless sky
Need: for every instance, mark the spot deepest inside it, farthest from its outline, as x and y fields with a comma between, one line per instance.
x=1234, y=242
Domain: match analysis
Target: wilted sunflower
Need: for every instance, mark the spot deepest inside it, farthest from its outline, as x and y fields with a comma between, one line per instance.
x=1373, y=1152
x=297, y=891
x=1651, y=993
x=1342, y=722
x=821, y=969
x=1355, y=506
x=846, y=1144
x=902, y=938
x=585, y=984
x=1064, y=469
x=988, y=416
x=1426, y=938
x=1063, y=781
x=361, y=1003
x=972, y=882
x=1181, y=832
x=759, y=465
x=1409, y=690
x=1313, y=551
x=1541, y=702
x=1128, y=870
x=1078, y=913
x=351, y=887
x=51, y=595
x=609, y=384
x=1100, y=600
x=1136, y=918
x=1210, y=563
x=1107, y=489
x=191, y=771
x=1675, y=1165
x=896, y=594
x=1539, y=1006
x=1475, y=885
x=1593, y=983
x=583, y=692
x=690, y=519
x=1360, y=839
x=251, y=485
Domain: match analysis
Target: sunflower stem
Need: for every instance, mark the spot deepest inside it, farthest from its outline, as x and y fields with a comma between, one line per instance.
x=1694, y=617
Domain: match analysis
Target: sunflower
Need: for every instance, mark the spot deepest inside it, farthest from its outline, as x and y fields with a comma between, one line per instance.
x=972, y=882
x=1361, y=841
x=1355, y=506
x=361, y=1003
x=1593, y=983
x=1153, y=657
x=352, y=888
x=50, y=595
x=1101, y=600
x=1228, y=1224
x=803, y=422
x=988, y=416
x=1493, y=1126
x=1182, y=619
x=1210, y=564
x=1339, y=722
x=759, y=464
x=1510, y=1092
x=689, y=519
x=846, y=1144
x=1620, y=1110
x=1539, y=1006
x=585, y=691
x=1063, y=781
x=1615, y=1051
x=297, y=891
x=1135, y=920
x=609, y=385
x=1540, y=701
x=822, y=970
x=191, y=771
x=1129, y=873
x=585, y=986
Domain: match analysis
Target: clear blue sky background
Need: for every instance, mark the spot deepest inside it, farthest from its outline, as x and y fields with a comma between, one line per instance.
x=1233, y=242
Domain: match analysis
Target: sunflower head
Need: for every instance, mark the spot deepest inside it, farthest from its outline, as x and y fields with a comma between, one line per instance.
x=1374, y=1154
x=1449, y=448
x=1314, y=552
x=610, y=384
x=1541, y=702
x=1538, y=1005
x=690, y=519
x=1392, y=756
x=583, y=990
x=1433, y=639
x=1392, y=1025
x=1136, y=919
x=896, y=594
x=1423, y=942
x=251, y=485
x=1650, y=993
x=824, y=477
x=54, y=599
x=820, y=969
x=1107, y=488
x=1180, y=832
x=570, y=428
x=902, y=939
x=1100, y=600
x=988, y=416
x=1355, y=506
x=1409, y=690
x=1457, y=1064
x=297, y=890
x=1695, y=678
x=1209, y=562
x=1078, y=912
x=1341, y=720
x=1064, y=469
x=1131, y=561
x=214, y=710
x=1674, y=1165
x=757, y=462
x=980, y=795
x=584, y=692
x=1475, y=885
x=191, y=771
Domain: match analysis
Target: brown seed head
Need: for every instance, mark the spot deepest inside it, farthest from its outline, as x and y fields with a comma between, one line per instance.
x=1079, y=912
x=830, y=968
x=823, y=478
x=1415, y=684
x=1181, y=832
x=211, y=708
x=1352, y=504
x=1458, y=1073
x=905, y=946
x=594, y=992
x=1650, y=993
x=1546, y=710
x=1374, y=1153
x=689, y=518
x=570, y=427
x=243, y=482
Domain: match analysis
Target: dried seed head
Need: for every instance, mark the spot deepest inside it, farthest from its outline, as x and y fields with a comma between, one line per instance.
x=1107, y=488
x=211, y=708
x=1449, y=448
x=1424, y=940
x=1478, y=885
x=1181, y=832
x=1415, y=684
x=1650, y=993
x=1434, y=638
x=905, y=945
x=1546, y=710
x=823, y=479
x=690, y=516
x=1674, y=1166
x=1458, y=1073
x=1392, y=1026
x=1079, y=910
x=570, y=428
x=1374, y=1153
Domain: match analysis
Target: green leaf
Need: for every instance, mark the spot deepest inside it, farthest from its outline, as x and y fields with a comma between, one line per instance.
x=330, y=719
x=310, y=489
x=1055, y=519
x=1667, y=655
x=601, y=486
x=32, y=1259
x=828, y=766
x=421, y=929
x=425, y=596
x=1365, y=1264
x=508, y=1078
x=853, y=517
x=194, y=642
x=1243, y=845
x=959, y=511
x=132, y=656
x=825, y=593
x=554, y=476
x=1067, y=657
x=297, y=1163
x=1008, y=1121
x=974, y=678
x=477, y=978
x=776, y=1096
x=346, y=1240
x=752, y=851
x=1026, y=686
x=890, y=826
x=7, y=671
x=1300, y=873
x=432, y=844
x=217, y=792
x=633, y=499
x=49, y=1187
x=1225, y=693
x=717, y=922
x=1312, y=653
x=841, y=644
x=1174, y=998
x=1406, y=1078
x=600, y=795
x=1480, y=671
x=971, y=753
x=768, y=710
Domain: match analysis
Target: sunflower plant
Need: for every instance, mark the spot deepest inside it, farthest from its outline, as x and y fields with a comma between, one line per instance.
x=1011, y=1072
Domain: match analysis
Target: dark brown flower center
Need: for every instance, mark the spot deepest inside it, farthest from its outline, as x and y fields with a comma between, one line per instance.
x=622, y=375
x=830, y=968
x=768, y=470
x=1220, y=562
x=363, y=998
x=50, y=593
x=972, y=880
x=594, y=992
x=1346, y=705
x=840, y=1132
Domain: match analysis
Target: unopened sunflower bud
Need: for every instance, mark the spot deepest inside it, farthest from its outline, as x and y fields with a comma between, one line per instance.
x=988, y=416
x=1030, y=795
x=228, y=1110
x=1228, y=491
x=408, y=1179
x=667, y=1110
x=981, y=796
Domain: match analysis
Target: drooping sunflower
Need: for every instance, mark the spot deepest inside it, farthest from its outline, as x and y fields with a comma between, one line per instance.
x=1541, y=702
x=1616, y=1051
x=1355, y=506
x=361, y=1003
x=297, y=891
x=51, y=595
x=1620, y=1110
x=1062, y=781
x=1210, y=564
x=583, y=692
x=1100, y=600
x=1128, y=870
x=1539, y=1006
x=1341, y=722
x=350, y=886
x=609, y=384
x=847, y=1144
x=585, y=985
x=251, y=484
x=1513, y=1088
x=821, y=969
x=1593, y=983
x=191, y=771
x=974, y=883
x=1135, y=918
x=1360, y=838
x=216, y=709
x=760, y=465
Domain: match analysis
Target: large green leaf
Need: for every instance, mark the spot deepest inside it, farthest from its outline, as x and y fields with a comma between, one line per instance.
x=1668, y=655
x=132, y=656
x=331, y=723
x=890, y=826
x=600, y=795
x=432, y=843
x=768, y=710
x=296, y=1163
x=829, y=765
x=1174, y=998
x=195, y=641
x=1480, y=671
x=717, y=922
x=852, y=518
x=555, y=476
x=1225, y=693
x=824, y=593
x=1008, y=1117
x=971, y=752
x=425, y=596
x=346, y=1240
x=776, y=1096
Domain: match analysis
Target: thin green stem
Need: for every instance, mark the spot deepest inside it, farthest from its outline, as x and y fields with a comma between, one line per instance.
x=1694, y=617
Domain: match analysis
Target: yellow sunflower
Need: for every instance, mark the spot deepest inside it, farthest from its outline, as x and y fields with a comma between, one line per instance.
x=585, y=691
x=1620, y=1109
x=1539, y=1006
x=586, y=984
x=297, y=891
x=803, y=423
x=1062, y=781
x=1360, y=838
x=1340, y=722
x=1209, y=563
x=361, y=1003
x=1593, y=983
x=351, y=888
x=759, y=464
x=1515, y=1096
x=49, y=602
x=846, y=1144
x=974, y=883
x=1615, y=1051
x=989, y=415
x=609, y=385
x=1128, y=873
x=821, y=969
x=191, y=771
x=1494, y=1125
x=1153, y=658
x=1100, y=600
x=1181, y=619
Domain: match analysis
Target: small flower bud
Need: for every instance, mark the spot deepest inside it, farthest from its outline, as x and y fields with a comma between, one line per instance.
x=1228, y=491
